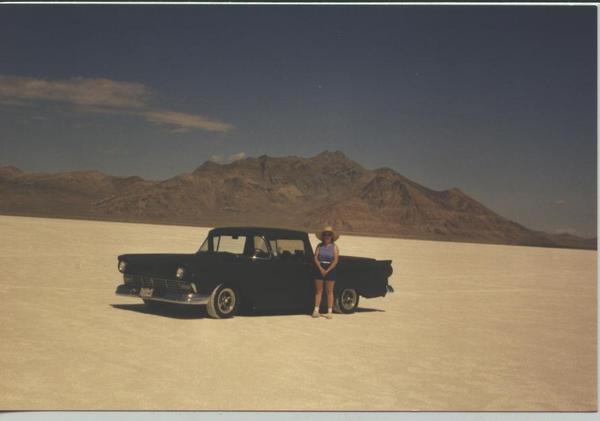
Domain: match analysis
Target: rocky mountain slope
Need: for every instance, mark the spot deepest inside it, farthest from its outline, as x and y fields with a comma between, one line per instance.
x=293, y=192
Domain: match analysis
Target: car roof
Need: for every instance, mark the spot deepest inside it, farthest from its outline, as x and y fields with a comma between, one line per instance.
x=266, y=231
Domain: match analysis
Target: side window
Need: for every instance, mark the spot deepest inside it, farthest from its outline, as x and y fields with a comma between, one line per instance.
x=229, y=243
x=260, y=247
x=288, y=247
x=204, y=246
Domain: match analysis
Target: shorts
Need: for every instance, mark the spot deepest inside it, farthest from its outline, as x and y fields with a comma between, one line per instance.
x=329, y=276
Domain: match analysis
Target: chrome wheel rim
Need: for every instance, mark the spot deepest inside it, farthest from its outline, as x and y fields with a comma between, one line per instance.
x=348, y=299
x=226, y=300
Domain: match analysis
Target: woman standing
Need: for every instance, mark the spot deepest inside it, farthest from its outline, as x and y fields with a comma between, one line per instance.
x=326, y=259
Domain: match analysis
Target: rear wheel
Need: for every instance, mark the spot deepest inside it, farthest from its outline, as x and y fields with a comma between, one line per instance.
x=223, y=302
x=346, y=301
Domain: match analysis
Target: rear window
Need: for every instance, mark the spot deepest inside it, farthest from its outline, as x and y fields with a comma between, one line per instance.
x=287, y=247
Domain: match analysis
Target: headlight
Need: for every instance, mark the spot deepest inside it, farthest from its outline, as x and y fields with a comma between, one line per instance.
x=180, y=272
x=122, y=265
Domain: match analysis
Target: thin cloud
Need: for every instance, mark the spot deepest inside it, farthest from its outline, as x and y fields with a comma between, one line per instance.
x=183, y=122
x=78, y=91
x=220, y=159
x=102, y=96
x=237, y=156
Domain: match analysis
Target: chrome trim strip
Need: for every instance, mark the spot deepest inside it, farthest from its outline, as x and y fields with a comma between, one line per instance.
x=196, y=299
x=169, y=297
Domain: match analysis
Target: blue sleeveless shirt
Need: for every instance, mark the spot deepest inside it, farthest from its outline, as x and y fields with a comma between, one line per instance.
x=326, y=253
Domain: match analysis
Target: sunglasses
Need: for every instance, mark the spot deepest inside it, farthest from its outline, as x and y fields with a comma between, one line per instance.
x=327, y=234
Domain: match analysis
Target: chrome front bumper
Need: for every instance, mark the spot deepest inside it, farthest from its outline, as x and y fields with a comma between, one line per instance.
x=125, y=290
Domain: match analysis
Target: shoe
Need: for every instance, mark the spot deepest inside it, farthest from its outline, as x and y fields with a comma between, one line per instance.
x=315, y=313
x=329, y=316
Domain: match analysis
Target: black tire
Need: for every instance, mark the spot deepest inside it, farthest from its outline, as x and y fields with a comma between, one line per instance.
x=223, y=303
x=346, y=301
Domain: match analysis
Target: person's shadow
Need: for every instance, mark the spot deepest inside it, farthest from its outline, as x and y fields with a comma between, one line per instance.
x=176, y=311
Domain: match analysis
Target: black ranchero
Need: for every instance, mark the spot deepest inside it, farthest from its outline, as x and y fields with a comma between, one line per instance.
x=248, y=268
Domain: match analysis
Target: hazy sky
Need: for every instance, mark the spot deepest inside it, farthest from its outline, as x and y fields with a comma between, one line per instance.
x=498, y=101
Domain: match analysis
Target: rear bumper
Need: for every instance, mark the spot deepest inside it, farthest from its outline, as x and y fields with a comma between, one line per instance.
x=125, y=290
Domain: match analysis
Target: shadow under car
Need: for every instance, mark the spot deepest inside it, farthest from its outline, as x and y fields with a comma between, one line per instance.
x=198, y=312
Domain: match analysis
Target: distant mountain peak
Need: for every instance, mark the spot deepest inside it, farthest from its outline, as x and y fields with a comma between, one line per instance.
x=288, y=191
x=331, y=154
x=10, y=169
x=457, y=192
x=387, y=172
x=208, y=164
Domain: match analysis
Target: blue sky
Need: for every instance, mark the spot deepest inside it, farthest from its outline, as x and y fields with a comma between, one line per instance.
x=498, y=101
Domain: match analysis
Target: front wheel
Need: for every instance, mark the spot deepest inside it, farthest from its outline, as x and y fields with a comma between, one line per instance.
x=222, y=303
x=346, y=301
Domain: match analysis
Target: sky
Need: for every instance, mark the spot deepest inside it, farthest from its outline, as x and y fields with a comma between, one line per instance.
x=497, y=101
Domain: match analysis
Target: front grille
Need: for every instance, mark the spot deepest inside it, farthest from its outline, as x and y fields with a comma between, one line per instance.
x=133, y=280
x=156, y=283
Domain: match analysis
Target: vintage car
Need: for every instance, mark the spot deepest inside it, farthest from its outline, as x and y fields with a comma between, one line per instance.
x=248, y=268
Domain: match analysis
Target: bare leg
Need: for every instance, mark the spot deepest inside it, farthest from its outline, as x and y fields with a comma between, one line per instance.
x=318, y=292
x=329, y=286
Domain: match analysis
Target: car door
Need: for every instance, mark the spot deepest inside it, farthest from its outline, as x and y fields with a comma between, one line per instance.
x=293, y=271
x=262, y=278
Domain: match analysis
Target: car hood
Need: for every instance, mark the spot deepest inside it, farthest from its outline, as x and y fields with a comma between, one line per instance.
x=162, y=265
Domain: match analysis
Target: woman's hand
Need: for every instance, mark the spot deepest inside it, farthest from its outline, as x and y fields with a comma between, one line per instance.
x=323, y=271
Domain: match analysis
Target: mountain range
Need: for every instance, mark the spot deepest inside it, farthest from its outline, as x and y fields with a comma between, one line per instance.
x=292, y=192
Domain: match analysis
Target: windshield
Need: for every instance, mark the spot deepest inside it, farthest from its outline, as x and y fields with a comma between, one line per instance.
x=236, y=244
